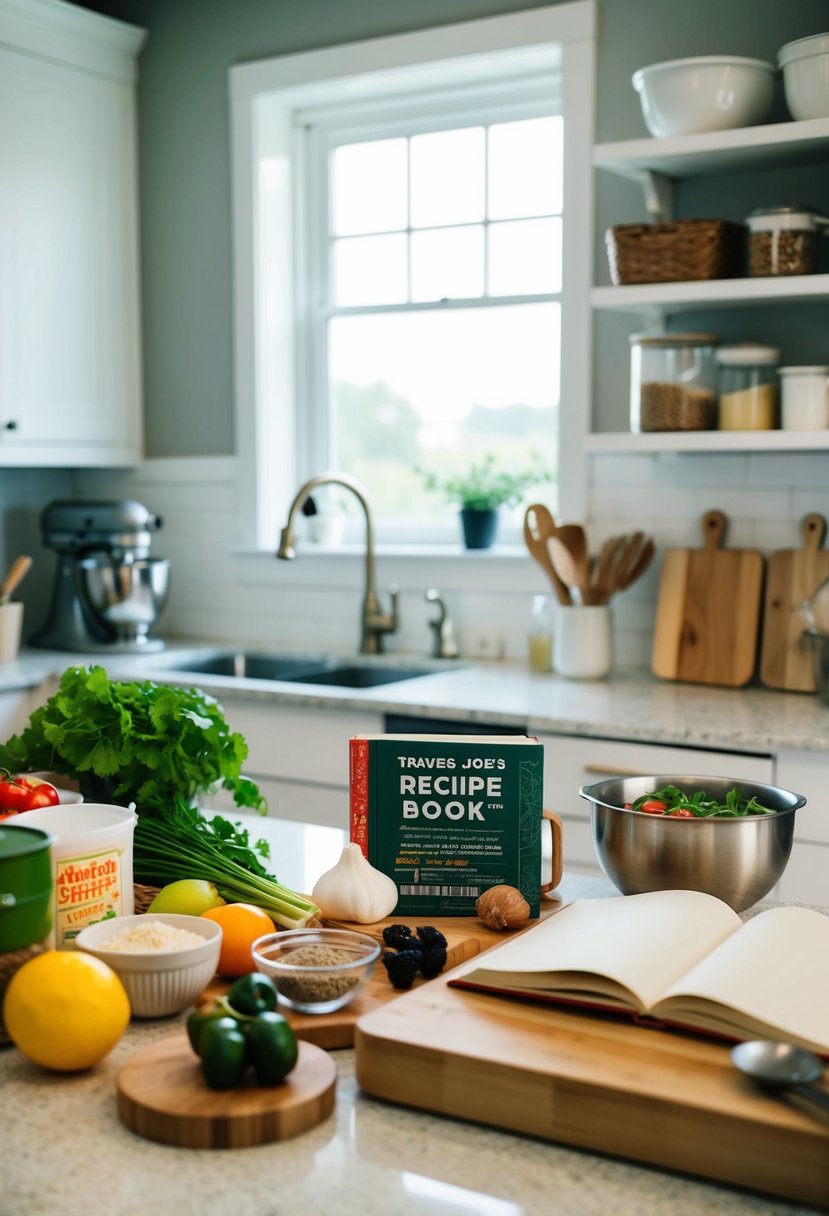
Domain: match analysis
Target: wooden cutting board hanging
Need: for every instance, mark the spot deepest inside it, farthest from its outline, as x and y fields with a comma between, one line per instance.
x=793, y=575
x=708, y=611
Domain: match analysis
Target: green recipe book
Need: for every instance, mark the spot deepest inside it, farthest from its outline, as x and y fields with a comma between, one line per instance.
x=448, y=816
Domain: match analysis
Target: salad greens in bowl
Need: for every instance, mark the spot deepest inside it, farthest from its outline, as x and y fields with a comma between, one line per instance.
x=726, y=836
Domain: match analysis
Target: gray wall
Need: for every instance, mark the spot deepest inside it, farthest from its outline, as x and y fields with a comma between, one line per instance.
x=184, y=166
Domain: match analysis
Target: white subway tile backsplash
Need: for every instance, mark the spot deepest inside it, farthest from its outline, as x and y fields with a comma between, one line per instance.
x=219, y=593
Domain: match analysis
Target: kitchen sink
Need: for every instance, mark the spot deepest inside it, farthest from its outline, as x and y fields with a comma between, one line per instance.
x=341, y=673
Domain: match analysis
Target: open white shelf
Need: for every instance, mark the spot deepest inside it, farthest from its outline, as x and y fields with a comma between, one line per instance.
x=712, y=293
x=622, y=442
x=717, y=151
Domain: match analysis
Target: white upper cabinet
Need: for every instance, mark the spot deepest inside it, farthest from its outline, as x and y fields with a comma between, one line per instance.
x=70, y=375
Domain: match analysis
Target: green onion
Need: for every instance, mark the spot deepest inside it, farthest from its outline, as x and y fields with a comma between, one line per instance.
x=178, y=841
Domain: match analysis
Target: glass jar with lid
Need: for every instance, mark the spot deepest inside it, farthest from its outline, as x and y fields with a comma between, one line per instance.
x=673, y=382
x=748, y=388
x=784, y=240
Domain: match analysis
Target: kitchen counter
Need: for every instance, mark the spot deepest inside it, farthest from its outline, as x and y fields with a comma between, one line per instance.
x=65, y=1151
x=630, y=705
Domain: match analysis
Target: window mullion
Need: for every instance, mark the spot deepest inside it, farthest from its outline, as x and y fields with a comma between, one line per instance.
x=316, y=419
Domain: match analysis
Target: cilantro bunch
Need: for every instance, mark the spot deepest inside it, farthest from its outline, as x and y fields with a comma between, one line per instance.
x=149, y=741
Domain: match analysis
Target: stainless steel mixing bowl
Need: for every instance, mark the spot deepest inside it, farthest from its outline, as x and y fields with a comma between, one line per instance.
x=739, y=860
x=126, y=597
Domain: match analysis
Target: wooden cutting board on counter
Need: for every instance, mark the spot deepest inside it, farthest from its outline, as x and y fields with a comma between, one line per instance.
x=466, y=936
x=653, y=1096
x=163, y=1096
x=793, y=575
x=708, y=611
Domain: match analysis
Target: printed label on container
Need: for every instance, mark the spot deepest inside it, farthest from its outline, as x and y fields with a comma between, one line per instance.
x=88, y=888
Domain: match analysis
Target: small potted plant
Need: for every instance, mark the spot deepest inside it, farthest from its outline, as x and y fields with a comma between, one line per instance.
x=481, y=492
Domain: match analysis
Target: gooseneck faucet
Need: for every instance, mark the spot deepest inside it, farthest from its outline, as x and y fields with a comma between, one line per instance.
x=374, y=623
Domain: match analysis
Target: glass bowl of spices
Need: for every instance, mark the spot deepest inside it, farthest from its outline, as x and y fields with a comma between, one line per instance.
x=316, y=970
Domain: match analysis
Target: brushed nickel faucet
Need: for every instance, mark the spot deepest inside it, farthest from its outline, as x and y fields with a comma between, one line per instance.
x=374, y=623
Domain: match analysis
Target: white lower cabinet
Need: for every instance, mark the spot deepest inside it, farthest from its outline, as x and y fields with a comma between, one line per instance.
x=15, y=707
x=573, y=761
x=298, y=758
x=806, y=877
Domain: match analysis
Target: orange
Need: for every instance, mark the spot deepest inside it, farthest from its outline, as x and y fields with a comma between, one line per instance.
x=241, y=925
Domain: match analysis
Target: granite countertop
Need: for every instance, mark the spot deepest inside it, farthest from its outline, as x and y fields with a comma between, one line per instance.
x=65, y=1151
x=629, y=705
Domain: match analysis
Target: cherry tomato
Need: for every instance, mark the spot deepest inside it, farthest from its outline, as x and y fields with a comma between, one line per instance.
x=25, y=794
x=654, y=807
x=681, y=812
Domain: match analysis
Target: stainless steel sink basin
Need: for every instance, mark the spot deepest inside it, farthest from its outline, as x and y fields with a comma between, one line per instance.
x=341, y=673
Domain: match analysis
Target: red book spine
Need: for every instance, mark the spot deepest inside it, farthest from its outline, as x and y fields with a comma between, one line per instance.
x=358, y=791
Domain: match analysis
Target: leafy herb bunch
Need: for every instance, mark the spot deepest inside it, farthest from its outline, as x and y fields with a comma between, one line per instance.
x=149, y=740
x=483, y=487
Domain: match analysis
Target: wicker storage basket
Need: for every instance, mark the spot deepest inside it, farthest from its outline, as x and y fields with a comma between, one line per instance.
x=677, y=252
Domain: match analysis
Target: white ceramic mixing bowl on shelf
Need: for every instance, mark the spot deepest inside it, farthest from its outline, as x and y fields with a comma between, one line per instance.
x=805, y=67
x=706, y=93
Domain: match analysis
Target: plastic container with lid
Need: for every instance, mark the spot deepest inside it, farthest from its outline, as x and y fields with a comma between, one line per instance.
x=748, y=388
x=805, y=398
x=673, y=382
x=784, y=240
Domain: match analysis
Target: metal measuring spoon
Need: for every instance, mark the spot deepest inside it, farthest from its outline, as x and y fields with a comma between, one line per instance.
x=782, y=1066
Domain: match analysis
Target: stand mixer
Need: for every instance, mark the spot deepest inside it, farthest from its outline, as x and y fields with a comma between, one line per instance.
x=108, y=591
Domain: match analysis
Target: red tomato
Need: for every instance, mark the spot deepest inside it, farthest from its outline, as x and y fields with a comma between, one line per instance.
x=654, y=807
x=25, y=794
x=681, y=812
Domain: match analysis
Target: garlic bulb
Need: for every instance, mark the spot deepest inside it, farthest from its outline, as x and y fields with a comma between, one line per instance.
x=355, y=890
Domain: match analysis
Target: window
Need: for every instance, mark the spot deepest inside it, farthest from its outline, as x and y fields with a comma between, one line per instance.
x=437, y=335
x=413, y=263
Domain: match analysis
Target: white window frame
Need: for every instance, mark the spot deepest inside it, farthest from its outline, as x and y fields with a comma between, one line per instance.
x=268, y=307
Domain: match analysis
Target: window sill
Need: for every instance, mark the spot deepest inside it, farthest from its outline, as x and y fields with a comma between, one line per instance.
x=424, y=552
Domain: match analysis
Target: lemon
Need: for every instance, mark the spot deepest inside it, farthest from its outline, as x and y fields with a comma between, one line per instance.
x=65, y=1010
x=187, y=896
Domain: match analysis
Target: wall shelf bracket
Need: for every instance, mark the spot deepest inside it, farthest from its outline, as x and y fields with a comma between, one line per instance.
x=658, y=190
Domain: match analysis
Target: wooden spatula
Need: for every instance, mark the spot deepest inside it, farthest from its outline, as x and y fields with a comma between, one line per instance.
x=539, y=526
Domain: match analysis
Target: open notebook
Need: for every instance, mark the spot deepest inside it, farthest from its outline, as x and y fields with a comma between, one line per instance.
x=680, y=958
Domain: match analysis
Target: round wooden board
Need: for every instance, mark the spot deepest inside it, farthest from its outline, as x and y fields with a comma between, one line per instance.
x=162, y=1096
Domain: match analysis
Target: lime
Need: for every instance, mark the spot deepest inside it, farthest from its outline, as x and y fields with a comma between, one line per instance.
x=65, y=1010
x=187, y=897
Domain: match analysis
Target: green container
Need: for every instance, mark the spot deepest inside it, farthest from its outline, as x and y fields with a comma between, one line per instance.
x=25, y=886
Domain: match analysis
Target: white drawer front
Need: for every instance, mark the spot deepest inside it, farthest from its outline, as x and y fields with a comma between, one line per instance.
x=571, y=762
x=806, y=877
x=807, y=773
x=304, y=744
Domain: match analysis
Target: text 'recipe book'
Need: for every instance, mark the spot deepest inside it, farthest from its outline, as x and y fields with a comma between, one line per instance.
x=676, y=958
x=448, y=816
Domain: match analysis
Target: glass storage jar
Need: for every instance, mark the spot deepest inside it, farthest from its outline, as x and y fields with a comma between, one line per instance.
x=805, y=392
x=673, y=382
x=783, y=240
x=749, y=397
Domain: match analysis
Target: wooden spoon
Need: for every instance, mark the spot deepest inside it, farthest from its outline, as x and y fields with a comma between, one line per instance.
x=574, y=539
x=602, y=580
x=20, y=568
x=539, y=526
x=572, y=571
x=636, y=567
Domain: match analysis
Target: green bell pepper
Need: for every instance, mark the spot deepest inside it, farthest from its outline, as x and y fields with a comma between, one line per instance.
x=224, y=1053
x=228, y=1039
x=252, y=994
x=272, y=1047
